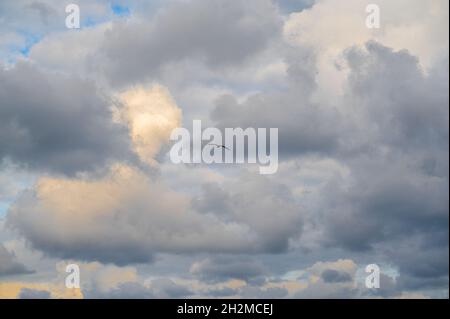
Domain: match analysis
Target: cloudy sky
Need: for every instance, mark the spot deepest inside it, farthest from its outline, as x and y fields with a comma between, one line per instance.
x=85, y=177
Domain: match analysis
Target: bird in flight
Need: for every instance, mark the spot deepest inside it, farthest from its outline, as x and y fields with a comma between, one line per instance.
x=219, y=146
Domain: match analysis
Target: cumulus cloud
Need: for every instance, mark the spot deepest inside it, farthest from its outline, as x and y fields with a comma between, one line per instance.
x=406, y=134
x=341, y=284
x=421, y=28
x=266, y=207
x=225, y=268
x=27, y=293
x=9, y=265
x=251, y=292
x=57, y=123
x=166, y=288
x=390, y=136
x=125, y=290
x=151, y=114
x=427, y=20
x=111, y=282
x=331, y=275
x=220, y=33
x=127, y=211
x=363, y=133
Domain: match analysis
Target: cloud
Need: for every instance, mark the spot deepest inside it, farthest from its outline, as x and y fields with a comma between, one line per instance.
x=310, y=27
x=330, y=280
x=166, y=288
x=427, y=270
x=398, y=162
x=27, y=293
x=289, y=6
x=251, y=292
x=363, y=122
x=99, y=219
x=220, y=33
x=303, y=128
x=100, y=281
x=9, y=265
x=221, y=292
x=125, y=290
x=151, y=115
x=331, y=275
x=266, y=207
x=407, y=108
x=56, y=123
x=219, y=269
x=26, y=22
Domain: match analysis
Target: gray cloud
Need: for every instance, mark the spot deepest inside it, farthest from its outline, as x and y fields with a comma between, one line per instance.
x=44, y=10
x=56, y=123
x=252, y=292
x=9, y=265
x=223, y=268
x=403, y=107
x=220, y=33
x=331, y=275
x=125, y=290
x=304, y=126
x=220, y=293
x=401, y=189
x=265, y=206
x=27, y=293
x=166, y=288
x=388, y=133
x=142, y=217
x=158, y=288
x=427, y=270
x=395, y=145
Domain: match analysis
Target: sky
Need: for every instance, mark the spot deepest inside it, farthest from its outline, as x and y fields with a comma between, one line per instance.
x=86, y=178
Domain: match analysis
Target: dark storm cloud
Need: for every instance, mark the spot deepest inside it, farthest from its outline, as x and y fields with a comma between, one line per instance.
x=127, y=290
x=395, y=200
x=220, y=293
x=407, y=108
x=143, y=218
x=166, y=288
x=254, y=292
x=266, y=207
x=331, y=275
x=389, y=131
x=56, y=123
x=385, y=201
x=158, y=288
x=9, y=265
x=399, y=186
x=223, y=268
x=27, y=293
x=428, y=269
x=303, y=125
x=390, y=102
x=220, y=33
x=395, y=145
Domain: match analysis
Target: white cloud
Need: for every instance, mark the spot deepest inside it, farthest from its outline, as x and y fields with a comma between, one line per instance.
x=151, y=114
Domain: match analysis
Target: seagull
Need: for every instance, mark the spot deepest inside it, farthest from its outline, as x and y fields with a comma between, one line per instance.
x=219, y=146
